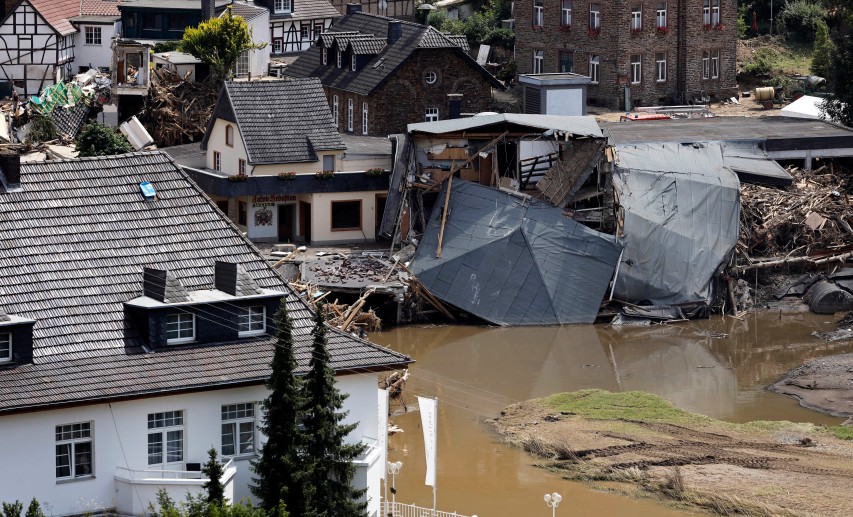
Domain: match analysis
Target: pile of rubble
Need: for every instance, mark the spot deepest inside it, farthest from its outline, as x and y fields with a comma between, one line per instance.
x=345, y=317
x=177, y=109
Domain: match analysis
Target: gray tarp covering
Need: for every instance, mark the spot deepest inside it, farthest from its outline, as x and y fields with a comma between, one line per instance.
x=681, y=208
x=514, y=261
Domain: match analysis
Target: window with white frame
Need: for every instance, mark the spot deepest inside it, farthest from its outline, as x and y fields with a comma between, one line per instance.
x=354, y=63
x=660, y=66
x=715, y=12
x=252, y=321
x=636, y=17
x=706, y=64
x=566, y=13
x=304, y=31
x=566, y=61
x=538, y=61
x=241, y=166
x=594, y=16
x=92, y=35
x=430, y=77
x=180, y=328
x=538, y=13
x=5, y=347
x=363, y=118
x=349, y=114
x=165, y=437
x=431, y=114
x=74, y=450
x=276, y=46
x=238, y=429
x=593, y=69
x=660, y=15
x=335, y=117
x=217, y=161
x=282, y=6
x=636, y=68
x=715, y=64
x=242, y=69
x=340, y=59
x=706, y=12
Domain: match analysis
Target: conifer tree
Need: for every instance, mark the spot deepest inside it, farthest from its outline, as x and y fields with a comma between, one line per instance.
x=214, y=471
x=823, y=50
x=332, y=471
x=280, y=475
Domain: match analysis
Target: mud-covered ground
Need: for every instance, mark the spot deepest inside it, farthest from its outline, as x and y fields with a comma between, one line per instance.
x=824, y=384
x=638, y=443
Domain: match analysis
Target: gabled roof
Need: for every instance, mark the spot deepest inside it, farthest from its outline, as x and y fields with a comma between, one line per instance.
x=99, y=8
x=57, y=12
x=284, y=121
x=245, y=11
x=73, y=243
x=303, y=10
x=371, y=27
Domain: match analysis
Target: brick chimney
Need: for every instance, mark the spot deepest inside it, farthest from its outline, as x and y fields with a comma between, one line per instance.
x=395, y=31
x=208, y=9
x=10, y=168
x=353, y=8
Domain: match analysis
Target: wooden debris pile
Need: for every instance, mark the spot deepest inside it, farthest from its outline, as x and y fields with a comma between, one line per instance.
x=342, y=316
x=810, y=216
x=177, y=109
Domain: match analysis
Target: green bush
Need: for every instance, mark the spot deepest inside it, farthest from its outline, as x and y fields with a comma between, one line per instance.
x=762, y=62
x=507, y=73
x=42, y=129
x=99, y=140
x=799, y=20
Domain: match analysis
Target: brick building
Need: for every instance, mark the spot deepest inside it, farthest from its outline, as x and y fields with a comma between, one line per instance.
x=380, y=74
x=663, y=51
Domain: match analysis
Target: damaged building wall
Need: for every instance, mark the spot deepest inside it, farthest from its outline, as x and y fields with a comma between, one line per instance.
x=679, y=215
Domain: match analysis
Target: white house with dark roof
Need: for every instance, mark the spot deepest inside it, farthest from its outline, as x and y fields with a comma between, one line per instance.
x=295, y=24
x=255, y=62
x=276, y=164
x=136, y=334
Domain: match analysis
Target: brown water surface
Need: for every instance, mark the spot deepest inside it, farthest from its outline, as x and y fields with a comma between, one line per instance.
x=476, y=371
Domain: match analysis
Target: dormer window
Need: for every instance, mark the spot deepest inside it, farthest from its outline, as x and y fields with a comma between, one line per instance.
x=5, y=347
x=282, y=6
x=252, y=321
x=353, y=63
x=340, y=58
x=325, y=56
x=180, y=328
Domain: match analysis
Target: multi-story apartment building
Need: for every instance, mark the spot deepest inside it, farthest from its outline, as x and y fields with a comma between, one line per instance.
x=648, y=51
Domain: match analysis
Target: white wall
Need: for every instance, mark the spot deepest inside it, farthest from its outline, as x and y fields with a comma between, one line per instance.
x=93, y=55
x=120, y=439
x=28, y=64
x=568, y=101
x=230, y=155
x=259, y=60
x=321, y=217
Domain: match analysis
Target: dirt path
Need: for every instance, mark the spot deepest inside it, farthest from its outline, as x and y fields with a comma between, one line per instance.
x=653, y=448
x=824, y=384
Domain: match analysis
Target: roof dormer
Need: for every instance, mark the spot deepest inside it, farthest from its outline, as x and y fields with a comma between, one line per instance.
x=16, y=339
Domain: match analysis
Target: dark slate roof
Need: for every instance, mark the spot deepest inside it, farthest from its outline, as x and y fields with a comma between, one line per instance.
x=245, y=11
x=73, y=243
x=386, y=60
x=367, y=46
x=70, y=120
x=280, y=121
x=303, y=10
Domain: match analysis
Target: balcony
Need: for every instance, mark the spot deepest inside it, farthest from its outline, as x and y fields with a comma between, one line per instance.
x=135, y=489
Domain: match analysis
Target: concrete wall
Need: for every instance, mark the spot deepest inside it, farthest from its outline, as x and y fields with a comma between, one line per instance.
x=120, y=440
x=94, y=56
x=321, y=223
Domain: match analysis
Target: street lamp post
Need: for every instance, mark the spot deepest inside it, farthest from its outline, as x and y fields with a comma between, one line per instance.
x=393, y=469
x=553, y=500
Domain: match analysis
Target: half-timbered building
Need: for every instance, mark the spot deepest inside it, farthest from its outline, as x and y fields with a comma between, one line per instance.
x=295, y=24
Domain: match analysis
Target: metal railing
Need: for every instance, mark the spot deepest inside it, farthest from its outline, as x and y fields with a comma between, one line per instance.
x=135, y=475
x=411, y=510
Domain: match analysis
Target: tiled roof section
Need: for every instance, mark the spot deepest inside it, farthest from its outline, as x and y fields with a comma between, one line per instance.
x=99, y=8
x=366, y=79
x=57, y=13
x=246, y=11
x=303, y=10
x=459, y=39
x=246, y=285
x=367, y=46
x=283, y=121
x=73, y=243
x=175, y=290
x=70, y=120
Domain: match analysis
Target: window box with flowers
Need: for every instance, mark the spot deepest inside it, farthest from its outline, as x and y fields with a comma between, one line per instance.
x=287, y=176
x=636, y=32
x=663, y=30
x=375, y=172
x=707, y=26
x=719, y=27
x=236, y=178
x=594, y=32
x=325, y=175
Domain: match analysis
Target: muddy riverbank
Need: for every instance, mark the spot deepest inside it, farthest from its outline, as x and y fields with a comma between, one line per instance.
x=824, y=384
x=640, y=443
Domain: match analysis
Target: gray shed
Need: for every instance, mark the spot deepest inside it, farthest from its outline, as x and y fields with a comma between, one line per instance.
x=554, y=94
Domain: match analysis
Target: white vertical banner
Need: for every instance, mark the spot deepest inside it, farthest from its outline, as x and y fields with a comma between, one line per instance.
x=382, y=431
x=428, y=409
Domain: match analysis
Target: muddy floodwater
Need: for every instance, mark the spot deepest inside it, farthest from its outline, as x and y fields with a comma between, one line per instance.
x=718, y=367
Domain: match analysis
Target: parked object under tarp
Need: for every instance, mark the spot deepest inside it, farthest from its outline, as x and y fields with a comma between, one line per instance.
x=513, y=260
x=679, y=216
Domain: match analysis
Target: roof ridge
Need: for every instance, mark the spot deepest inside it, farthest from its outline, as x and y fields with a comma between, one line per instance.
x=388, y=18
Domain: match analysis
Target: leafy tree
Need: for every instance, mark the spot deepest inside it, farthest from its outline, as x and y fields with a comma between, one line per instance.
x=331, y=470
x=840, y=106
x=99, y=140
x=34, y=510
x=823, y=51
x=213, y=470
x=800, y=19
x=219, y=43
x=280, y=475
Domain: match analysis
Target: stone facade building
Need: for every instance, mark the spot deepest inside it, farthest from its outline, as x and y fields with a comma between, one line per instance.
x=662, y=51
x=380, y=74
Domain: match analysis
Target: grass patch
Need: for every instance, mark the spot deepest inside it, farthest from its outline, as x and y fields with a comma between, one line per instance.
x=845, y=432
x=629, y=405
